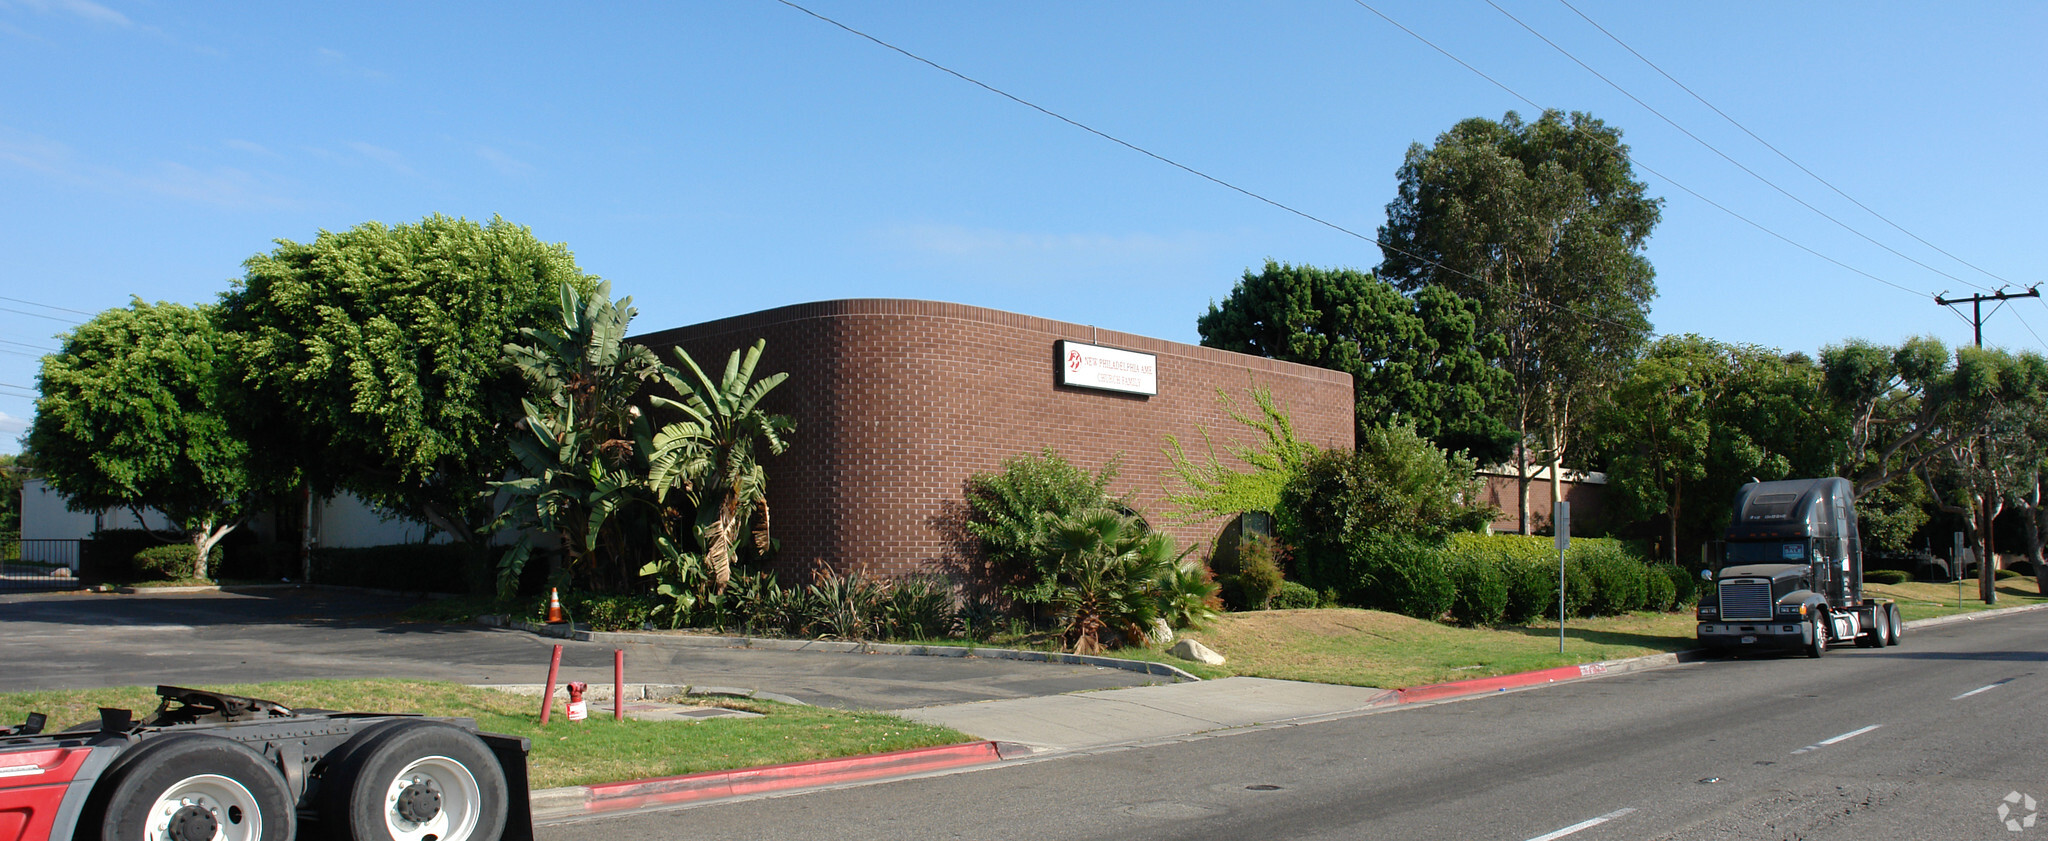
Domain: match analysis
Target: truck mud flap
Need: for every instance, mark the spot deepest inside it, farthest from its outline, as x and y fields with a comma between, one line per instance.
x=511, y=753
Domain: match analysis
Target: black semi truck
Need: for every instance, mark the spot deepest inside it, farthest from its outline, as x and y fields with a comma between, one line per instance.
x=1792, y=574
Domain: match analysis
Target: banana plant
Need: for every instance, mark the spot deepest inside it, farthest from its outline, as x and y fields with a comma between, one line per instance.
x=710, y=455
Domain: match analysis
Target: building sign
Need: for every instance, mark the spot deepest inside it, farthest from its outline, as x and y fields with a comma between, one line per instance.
x=1109, y=369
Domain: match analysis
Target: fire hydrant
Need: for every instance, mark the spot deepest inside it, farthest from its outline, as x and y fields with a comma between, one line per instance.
x=578, y=710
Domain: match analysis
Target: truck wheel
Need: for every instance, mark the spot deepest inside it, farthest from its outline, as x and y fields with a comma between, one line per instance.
x=1819, y=645
x=1898, y=628
x=422, y=781
x=1872, y=636
x=190, y=787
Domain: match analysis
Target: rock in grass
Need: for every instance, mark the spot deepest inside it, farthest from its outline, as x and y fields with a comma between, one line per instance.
x=1188, y=649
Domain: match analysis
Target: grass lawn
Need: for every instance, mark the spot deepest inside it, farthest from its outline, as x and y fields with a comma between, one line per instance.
x=1370, y=648
x=564, y=753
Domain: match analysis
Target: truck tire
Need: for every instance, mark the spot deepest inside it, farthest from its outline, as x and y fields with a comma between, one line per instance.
x=418, y=781
x=1819, y=644
x=1898, y=628
x=189, y=787
x=1872, y=636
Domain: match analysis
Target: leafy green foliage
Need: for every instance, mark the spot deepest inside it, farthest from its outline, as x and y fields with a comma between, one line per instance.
x=173, y=563
x=1251, y=577
x=1481, y=590
x=1694, y=419
x=1422, y=361
x=582, y=447
x=712, y=455
x=1543, y=225
x=135, y=413
x=12, y=472
x=1188, y=596
x=1109, y=569
x=372, y=358
x=1400, y=573
x=1011, y=512
x=1214, y=490
x=1618, y=582
x=1294, y=596
x=1887, y=576
x=1396, y=483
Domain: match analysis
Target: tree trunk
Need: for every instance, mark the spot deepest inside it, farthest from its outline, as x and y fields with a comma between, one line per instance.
x=204, y=537
x=1671, y=516
x=1522, y=486
x=1987, y=565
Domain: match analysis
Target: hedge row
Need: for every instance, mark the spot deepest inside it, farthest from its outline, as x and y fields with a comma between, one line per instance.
x=1494, y=579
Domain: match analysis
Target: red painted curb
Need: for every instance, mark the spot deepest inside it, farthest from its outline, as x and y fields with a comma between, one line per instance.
x=1477, y=686
x=668, y=791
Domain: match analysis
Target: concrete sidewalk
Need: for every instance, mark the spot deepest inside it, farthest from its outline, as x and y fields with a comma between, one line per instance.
x=1148, y=713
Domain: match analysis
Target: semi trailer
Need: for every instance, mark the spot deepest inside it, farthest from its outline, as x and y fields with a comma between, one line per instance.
x=1790, y=574
x=208, y=766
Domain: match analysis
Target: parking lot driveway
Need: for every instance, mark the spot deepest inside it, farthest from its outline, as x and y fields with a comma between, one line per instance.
x=81, y=641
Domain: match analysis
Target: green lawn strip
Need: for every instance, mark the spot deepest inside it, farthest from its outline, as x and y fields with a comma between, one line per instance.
x=564, y=753
x=1924, y=599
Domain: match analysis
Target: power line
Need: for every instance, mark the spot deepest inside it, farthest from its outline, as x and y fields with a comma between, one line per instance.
x=1766, y=144
x=29, y=346
x=1180, y=166
x=47, y=306
x=1631, y=159
x=38, y=315
x=1724, y=156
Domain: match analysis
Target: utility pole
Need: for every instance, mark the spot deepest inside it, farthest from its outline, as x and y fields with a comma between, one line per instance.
x=1987, y=574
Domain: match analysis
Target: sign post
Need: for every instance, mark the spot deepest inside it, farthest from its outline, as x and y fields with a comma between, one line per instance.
x=1956, y=556
x=1561, y=525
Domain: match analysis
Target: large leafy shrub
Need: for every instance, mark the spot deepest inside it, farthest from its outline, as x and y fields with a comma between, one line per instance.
x=172, y=562
x=1398, y=573
x=1481, y=587
x=1249, y=577
x=1107, y=577
x=1397, y=483
x=1012, y=512
x=1618, y=581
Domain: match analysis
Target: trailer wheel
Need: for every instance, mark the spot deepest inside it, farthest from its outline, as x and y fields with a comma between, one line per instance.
x=1819, y=643
x=1898, y=628
x=190, y=787
x=420, y=781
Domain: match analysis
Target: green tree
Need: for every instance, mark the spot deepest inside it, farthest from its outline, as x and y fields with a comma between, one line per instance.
x=1694, y=419
x=373, y=358
x=582, y=447
x=12, y=471
x=134, y=414
x=1543, y=225
x=1420, y=360
x=712, y=455
x=1998, y=435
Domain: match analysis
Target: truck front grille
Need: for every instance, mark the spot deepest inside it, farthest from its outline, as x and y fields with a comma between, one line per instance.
x=1743, y=601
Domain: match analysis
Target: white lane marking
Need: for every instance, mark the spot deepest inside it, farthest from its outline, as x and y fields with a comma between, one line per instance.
x=1581, y=825
x=1981, y=689
x=1842, y=738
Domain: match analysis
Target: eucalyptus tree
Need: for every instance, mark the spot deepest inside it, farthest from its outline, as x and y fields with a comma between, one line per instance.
x=1543, y=225
x=136, y=413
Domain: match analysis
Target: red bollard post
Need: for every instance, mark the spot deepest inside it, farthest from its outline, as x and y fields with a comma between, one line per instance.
x=547, y=698
x=618, y=684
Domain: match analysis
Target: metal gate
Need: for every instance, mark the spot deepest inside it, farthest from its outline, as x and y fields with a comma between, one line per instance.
x=39, y=565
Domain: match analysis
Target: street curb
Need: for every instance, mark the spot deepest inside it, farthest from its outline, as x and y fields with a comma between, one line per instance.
x=644, y=691
x=840, y=647
x=1502, y=683
x=573, y=801
x=1972, y=616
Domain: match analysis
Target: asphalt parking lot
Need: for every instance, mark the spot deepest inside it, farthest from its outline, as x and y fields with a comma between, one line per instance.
x=85, y=640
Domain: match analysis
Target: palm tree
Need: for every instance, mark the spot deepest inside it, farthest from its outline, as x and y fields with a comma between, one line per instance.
x=1110, y=573
x=710, y=455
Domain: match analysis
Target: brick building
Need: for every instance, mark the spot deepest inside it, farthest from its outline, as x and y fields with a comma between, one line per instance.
x=897, y=403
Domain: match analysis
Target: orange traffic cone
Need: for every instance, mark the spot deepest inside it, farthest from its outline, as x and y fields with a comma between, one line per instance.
x=555, y=616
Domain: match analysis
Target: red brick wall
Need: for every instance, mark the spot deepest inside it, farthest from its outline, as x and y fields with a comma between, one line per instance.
x=898, y=402
x=1588, y=499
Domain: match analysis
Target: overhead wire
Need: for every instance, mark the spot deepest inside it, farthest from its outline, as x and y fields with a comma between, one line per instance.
x=1178, y=165
x=1724, y=156
x=40, y=315
x=1635, y=162
x=1767, y=144
x=47, y=306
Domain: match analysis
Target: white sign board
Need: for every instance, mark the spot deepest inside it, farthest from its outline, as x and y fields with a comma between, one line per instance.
x=1109, y=369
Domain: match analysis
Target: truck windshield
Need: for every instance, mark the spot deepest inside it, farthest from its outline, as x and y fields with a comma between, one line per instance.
x=1769, y=552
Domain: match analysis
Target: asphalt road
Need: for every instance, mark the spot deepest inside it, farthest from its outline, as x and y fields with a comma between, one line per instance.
x=81, y=641
x=1922, y=741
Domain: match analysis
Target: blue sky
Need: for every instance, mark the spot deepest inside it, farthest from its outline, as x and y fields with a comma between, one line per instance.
x=712, y=159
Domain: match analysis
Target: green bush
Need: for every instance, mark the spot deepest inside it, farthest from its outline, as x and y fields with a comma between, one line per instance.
x=1396, y=483
x=918, y=608
x=1012, y=510
x=1887, y=576
x=1685, y=585
x=1293, y=596
x=1255, y=579
x=170, y=562
x=2004, y=574
x=611, y=611
x=1619, y=581
x=1528, y=569
x=1662, y=595
x=1402, y=574
x=1481, y=587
